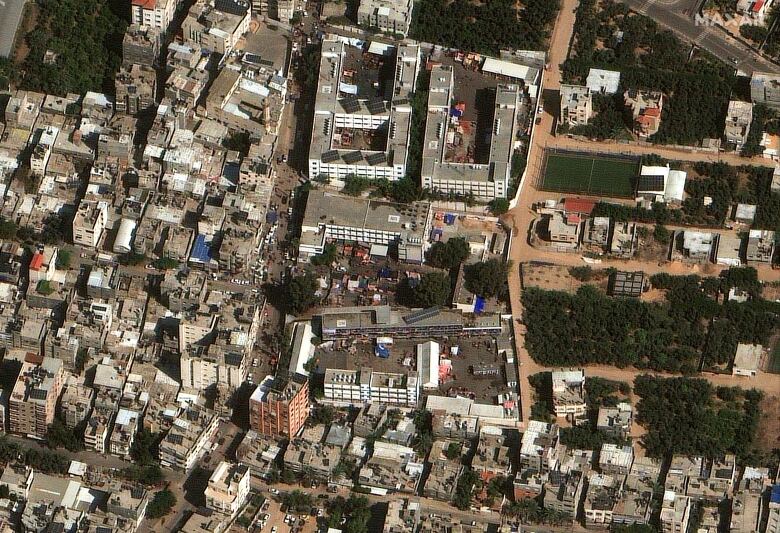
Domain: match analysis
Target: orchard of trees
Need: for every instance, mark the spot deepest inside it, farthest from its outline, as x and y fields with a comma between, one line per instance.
x=590, y=327
x=690, y=416
x=86, y=39
x=486, y=27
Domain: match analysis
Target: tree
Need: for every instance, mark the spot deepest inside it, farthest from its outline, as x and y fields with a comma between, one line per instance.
x=354, y=511
x=44, y=287
x=448, y=254
x=63, y=259
x=661, y=234
x=132, y=259
x=161, y=504
x=297, y=500
x=149, y=475
x=238, y=141
x=166, y=263
x=143, y=449
x=464, y=489
x=452, y=451
x=487, y=278
x=75, y=47
x=58, y=435
x=300, y=292
x=7, y=229
x=355, y=185
x=323, y=414
x=499, y=206
x=434, y=289
x=328, y=255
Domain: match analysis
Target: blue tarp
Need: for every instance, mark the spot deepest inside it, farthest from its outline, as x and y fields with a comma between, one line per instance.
x=456, y=112
x=383, y=273
x=479, y=304
x=775, y=497
x=382, y=351
x=271, y=217
x=449, y=219
x=201, y=250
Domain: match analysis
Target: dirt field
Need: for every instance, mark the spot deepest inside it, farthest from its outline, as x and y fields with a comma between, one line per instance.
x=29, y=21
x=768, y=434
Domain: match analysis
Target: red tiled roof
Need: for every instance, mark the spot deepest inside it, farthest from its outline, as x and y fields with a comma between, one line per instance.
x=652, y=112
x=757, y=6
x=36, y=262
x=579, y=205
x=146, y=4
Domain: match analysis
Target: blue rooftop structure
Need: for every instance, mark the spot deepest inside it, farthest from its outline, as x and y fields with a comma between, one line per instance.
x=479, y=304
x=382, y=351
x=775, y=496
x=201, y=250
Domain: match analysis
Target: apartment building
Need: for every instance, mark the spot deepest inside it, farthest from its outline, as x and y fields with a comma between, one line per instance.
x=141, y=45
x=228, y=488
x=136, y=88
x=675, y=513
x=76, y=402
x=186, y=441
x=89, y=223
x=738, y=119
x=33, y=399
x=355, y=131
x=485, y=180
x=765, y=89
x=154, y=13
x=347, y=387
x=125, y=428
x=217, y=26
x=392, y=16
x=279, y=406
x=568, y=391
x=576, y=105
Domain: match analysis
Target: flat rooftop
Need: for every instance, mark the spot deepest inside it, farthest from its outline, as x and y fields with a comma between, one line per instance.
x=325, y=208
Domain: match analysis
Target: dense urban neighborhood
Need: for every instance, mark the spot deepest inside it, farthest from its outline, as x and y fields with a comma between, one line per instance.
x=398, y=266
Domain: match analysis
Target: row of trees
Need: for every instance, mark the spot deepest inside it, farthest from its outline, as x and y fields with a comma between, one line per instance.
x=685, y=416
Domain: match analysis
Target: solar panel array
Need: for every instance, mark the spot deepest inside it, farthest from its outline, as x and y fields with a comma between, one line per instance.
x=352, y=157
x=350, y=104
x=376, y=106
x=422, y=314
x=376, y=159
x=330, y=156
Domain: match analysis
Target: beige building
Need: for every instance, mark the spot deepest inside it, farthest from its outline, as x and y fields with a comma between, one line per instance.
x=34, y=397
x=393, y=16
x=89, y=223
x=646, y=108
x=576, y=105
x=217, y=28
x=675, y=513
x=154, y=13
x=228, y=488
x=738, y=119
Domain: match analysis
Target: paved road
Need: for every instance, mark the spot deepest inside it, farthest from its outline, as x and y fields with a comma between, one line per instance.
x=678, y=16
x=10, y=16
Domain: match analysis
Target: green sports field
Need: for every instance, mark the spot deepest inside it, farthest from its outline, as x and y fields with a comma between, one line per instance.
x=589, y=174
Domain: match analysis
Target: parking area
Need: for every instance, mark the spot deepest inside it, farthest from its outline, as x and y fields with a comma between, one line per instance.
x=271, y=518
x=464, y=353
